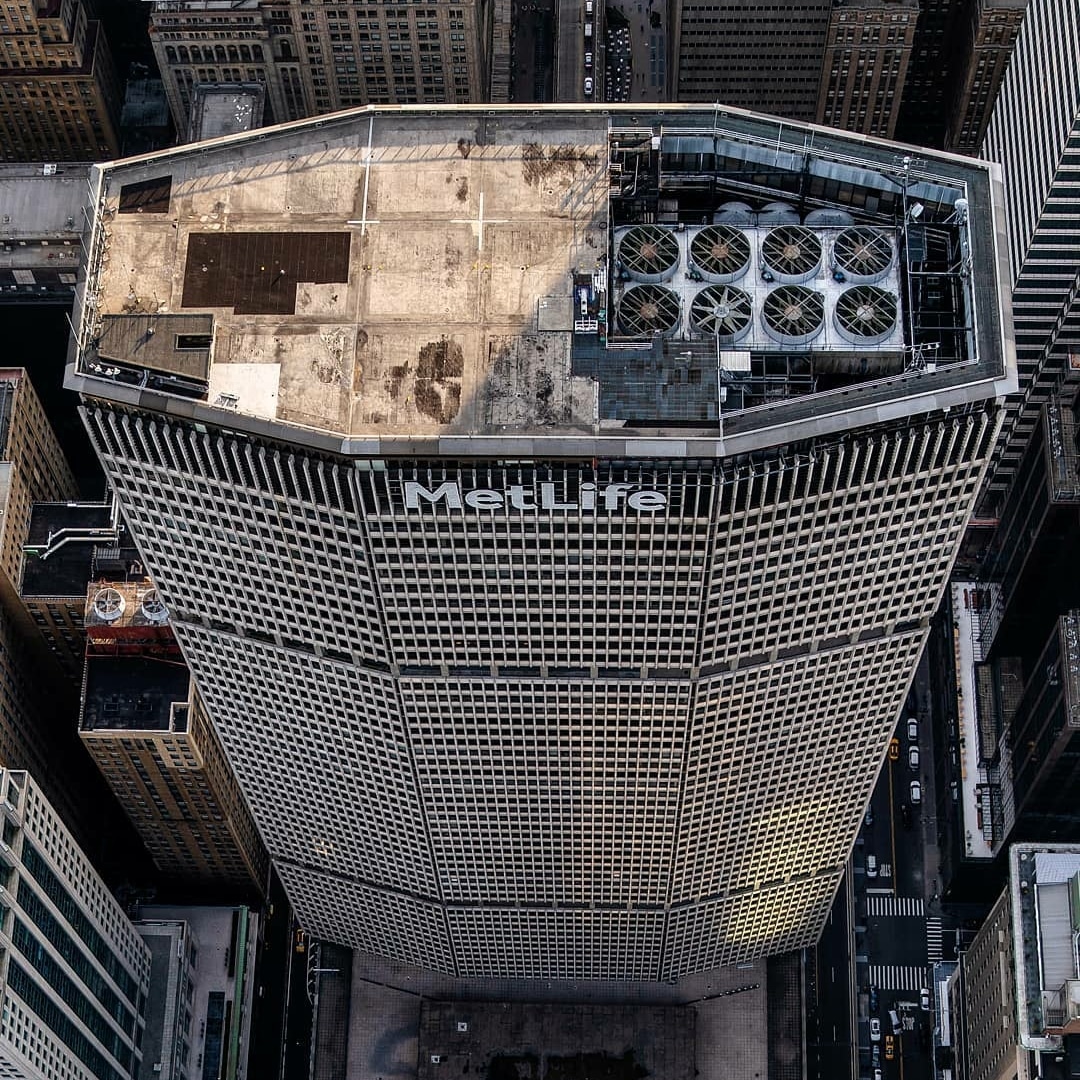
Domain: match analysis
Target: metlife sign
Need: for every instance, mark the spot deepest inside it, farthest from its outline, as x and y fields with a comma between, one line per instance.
x=541, y=497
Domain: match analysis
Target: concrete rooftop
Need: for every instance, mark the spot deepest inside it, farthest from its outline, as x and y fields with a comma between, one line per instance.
x=409, y=278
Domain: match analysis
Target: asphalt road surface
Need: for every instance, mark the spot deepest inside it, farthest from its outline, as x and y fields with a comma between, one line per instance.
x=899, y=927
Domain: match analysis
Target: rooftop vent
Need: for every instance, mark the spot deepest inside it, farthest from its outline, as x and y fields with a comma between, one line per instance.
x=733, y=213
x=790, y=254
x=723, y=310
x=649, y=253
x=648, y=309
x=778, y=213
x=793, y=314
x=153, y=609
x=720, y=254
x=108, y=605
x=865, y=314
x=863, y=256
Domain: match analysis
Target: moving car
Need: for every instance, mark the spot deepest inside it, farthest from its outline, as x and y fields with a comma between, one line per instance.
x=868, y=817
x=905, y=815
x=890, y=1048
x=894, y=749
x=588, y=59
x=913, y=758
x=588, y=84
x=916, y=792
x=875, y=1029
x=871, y=866
x=912, y=728
x=924, y=999
x=873, y=999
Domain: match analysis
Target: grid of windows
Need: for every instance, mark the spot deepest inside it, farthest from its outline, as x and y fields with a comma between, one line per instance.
x=550, y=792
x=630, y=721
x=830, y=546
x=558, y=944
x=290, y=722
x=764, y=793
x=410, y=930
x=762, y=923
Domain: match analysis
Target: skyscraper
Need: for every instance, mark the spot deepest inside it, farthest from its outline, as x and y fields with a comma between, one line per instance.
x=1014, y=996
x=314, y=58
x=76, y=974
x=1034, y=134
x=59, y=96
x=551, y=505
x=730, y=53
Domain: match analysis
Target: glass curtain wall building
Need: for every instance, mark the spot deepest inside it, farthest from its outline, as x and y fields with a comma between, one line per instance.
x=550, y=505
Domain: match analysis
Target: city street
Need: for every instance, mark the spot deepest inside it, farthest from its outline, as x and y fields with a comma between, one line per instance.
x=900, y=928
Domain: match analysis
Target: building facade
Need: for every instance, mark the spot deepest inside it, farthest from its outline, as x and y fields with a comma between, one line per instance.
x=728, y=53
x=1015, y=996
x=143, y=723
x=867, y=53
x=75, y=974
x=59, y=96
x=990, y=30
x=318, y=58
x=1034, y=133
x=579, y=650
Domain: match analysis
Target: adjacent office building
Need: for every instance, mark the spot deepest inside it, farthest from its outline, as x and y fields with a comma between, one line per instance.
x=75, y=974
x=143, y=723
x=202, y=980
x=140, y=718
x=314, y=58
x=59, y=95
x=41, y=232
x=1029, y=589
x=1014, y=999
x=1034, y=133
x=551, y=507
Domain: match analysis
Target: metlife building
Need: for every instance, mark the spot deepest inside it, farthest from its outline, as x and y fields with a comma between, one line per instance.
x=550, y=504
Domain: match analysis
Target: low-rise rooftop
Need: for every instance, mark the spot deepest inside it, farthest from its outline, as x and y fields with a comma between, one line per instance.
x=135, y=693
x=459, y=280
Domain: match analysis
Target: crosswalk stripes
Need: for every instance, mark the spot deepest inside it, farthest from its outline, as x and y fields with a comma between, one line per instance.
x=933, y=940
x=897, y=977
x=894, y=905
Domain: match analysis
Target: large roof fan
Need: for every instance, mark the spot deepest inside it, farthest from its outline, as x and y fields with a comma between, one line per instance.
x=720, y=253
x=722, y=310
x=793, y=314
x=863, y=255
x=648, y=309
x=649, y=253
x=791, y=254
x=865, y=314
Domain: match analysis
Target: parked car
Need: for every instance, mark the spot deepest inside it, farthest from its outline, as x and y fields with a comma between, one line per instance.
x=873, y=999
x=912, y=728
x=913, y=758
x=924, y=999
x=871, y=866
x=875, y=1029
x=916, y=792
x=905, y=815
